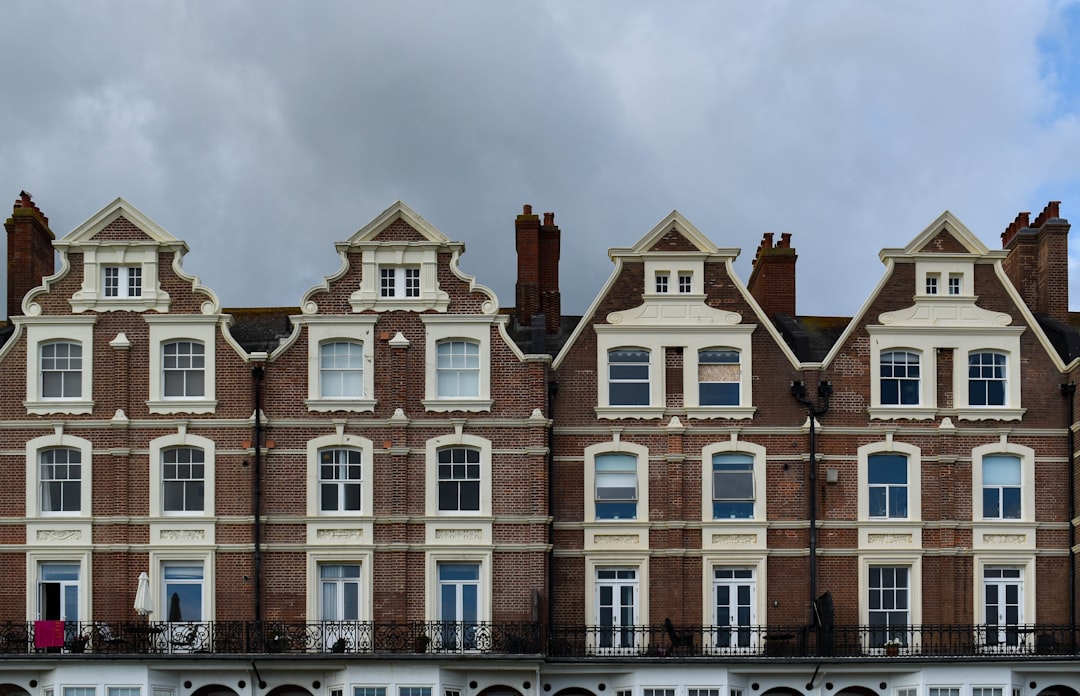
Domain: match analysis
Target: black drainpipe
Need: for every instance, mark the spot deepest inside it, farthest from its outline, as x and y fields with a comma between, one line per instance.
x=1068, y=391
x=798, y=390
x=257, y=373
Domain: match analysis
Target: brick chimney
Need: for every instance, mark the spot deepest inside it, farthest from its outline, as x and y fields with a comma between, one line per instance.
x=30, y=251
x=772, y=282
x=537, y=289
x=1038, y=261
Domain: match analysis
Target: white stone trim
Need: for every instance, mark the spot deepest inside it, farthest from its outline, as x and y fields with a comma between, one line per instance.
x=34, y=559
x=431, y=579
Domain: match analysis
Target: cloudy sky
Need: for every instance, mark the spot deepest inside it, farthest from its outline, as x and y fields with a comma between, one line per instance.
x=262, y=132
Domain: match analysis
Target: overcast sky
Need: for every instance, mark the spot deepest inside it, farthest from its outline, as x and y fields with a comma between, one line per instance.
x=262, y=132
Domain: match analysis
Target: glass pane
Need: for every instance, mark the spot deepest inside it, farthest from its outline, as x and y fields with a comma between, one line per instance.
x=1001, y=470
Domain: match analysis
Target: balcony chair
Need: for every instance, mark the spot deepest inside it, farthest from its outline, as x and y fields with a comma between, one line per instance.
x=681, y=642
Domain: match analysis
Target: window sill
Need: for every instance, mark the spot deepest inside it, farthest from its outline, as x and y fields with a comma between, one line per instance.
x=902, y=412
x=354, y=405
x=445, y=405
x=642, y=412
x=181, y=406
x=728, y=412
x=59, y=406
x=990, y=413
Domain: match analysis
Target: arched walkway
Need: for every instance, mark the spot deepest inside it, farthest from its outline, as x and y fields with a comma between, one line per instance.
x=1058, y=690
x=214, y=690
x=857, y=691
x=500, y=690
x=782, y=691
x=12, y=690
x=288, y=690
x=574, y=691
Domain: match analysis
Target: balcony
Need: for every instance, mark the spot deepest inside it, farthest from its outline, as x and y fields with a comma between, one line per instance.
x=356, y=638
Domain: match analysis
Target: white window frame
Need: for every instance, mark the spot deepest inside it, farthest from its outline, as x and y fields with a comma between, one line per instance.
x=43, y=330
x=913, y=359
x=1027, y=481
x=343, y=484
x=914, y=480
x=60, y=481
x=663, y=282
x=377, y=254
x=184, y=439
x=353, y=329
x=196, y=453
x=637, y=563
x=995, y=638
x=484, y=593
x=350, y=556
x=913, y=562
x=956, y=284
x=686, y=282
x=432, y=474
x=70, y=377
x=473, y=328
x=1028, y=576
x=757, y=453
x=452, y=480
x=641, y=453
x=748, y=640
x=168, y=329
x=206, y=561
x=1004, y=380
x=34, y=561
x=179, y=351
x=405, y=282
x=927, y=406
x=340, y=440
x=933, y=283
x=58, y=440
x=130, y=253
x=609, y=365
x=338, y=376
x=737, y=383
x=756, y=562
x=461, y=354
x=124, y=275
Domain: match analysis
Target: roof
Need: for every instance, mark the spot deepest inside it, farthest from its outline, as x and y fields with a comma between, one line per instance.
x=261, y=329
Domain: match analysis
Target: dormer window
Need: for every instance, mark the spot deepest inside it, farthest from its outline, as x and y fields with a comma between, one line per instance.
x=399, y=281
x=932, y=283
x=123, y=281
x=662, y=279
x=956, y=281
x=685, y=282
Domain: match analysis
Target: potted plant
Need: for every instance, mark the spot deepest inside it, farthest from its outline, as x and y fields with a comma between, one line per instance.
x=892, y=647
x=420, y=643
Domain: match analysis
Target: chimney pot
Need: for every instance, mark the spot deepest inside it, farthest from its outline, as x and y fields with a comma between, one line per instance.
x=549, y=219
x=526, y=209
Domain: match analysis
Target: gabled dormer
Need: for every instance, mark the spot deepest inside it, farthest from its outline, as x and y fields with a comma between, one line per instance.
x=119, y=249
x=664, y=335
x=941, y=270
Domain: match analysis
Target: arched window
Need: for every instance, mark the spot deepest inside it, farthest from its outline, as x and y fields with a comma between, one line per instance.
x=986, y=378
x=341, y=370
x=628, y=377
x=458, y=369
x=183, y=365
x=900, y=378
x=719, y=376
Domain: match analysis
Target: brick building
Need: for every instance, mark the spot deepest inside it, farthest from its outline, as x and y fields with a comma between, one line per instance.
x=398, y=488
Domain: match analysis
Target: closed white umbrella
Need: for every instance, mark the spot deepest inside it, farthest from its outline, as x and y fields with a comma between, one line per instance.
x=144, y=603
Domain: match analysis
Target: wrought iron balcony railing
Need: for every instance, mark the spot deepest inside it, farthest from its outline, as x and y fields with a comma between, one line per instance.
x=559, y=642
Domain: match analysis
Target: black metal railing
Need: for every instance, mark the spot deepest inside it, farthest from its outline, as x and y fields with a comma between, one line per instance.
x=581, y=642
